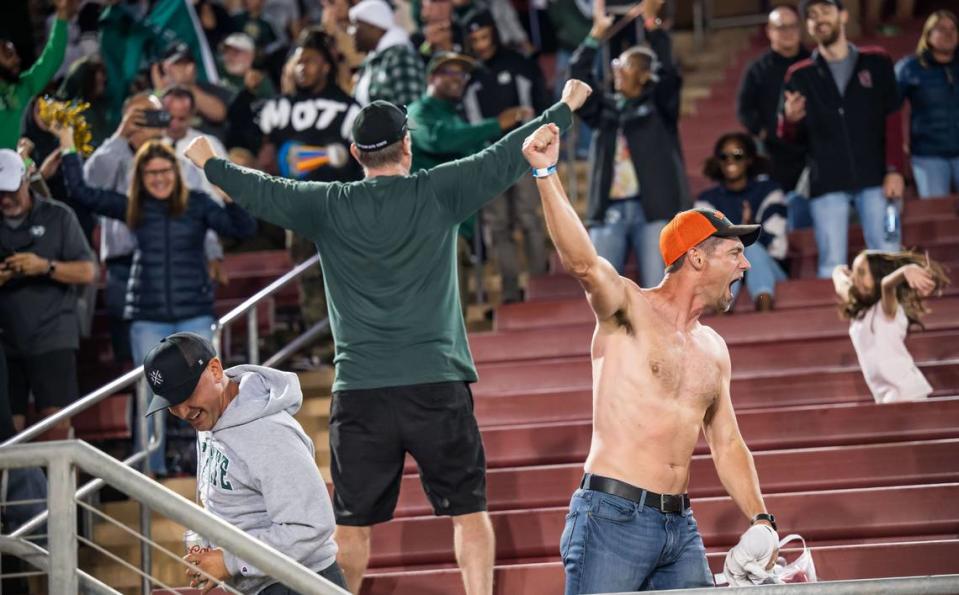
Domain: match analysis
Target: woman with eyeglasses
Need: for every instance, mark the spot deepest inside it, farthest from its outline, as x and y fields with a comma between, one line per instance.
x=930, y=81
x=169, y=289
x=746, y=195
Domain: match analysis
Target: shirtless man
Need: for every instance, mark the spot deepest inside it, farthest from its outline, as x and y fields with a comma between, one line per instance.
x=659, y=377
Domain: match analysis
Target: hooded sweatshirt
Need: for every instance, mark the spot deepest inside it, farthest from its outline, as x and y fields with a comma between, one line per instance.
x=256, y=471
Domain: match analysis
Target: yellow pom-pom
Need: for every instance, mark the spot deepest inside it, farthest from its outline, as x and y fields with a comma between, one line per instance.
x=68, y=113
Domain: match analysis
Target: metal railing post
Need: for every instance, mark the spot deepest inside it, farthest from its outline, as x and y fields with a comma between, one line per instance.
x=252, y=336
x=62, y=483
x=143, y=424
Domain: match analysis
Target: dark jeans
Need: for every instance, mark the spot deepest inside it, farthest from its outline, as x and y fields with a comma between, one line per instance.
x=331, y=573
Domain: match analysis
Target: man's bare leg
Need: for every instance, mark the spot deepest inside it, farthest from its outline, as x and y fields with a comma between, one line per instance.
x=475, y=547
x=354, y=553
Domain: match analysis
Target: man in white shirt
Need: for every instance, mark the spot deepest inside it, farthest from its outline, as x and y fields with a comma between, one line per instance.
x=181, y=105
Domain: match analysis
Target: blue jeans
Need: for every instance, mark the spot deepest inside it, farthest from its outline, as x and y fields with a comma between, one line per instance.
x=830, y=214
x=144, y=335
x=933, y=175
x=625, y=226
x=763, y=274
x=797, y=212
x=614, y=545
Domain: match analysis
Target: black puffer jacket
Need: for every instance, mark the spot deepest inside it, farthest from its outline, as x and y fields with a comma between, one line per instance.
x=169, y=280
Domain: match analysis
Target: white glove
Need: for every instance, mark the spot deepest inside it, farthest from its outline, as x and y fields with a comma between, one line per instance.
x=747, y=561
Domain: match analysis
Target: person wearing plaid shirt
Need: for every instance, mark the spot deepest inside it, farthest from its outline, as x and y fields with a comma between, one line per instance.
x=392, y=70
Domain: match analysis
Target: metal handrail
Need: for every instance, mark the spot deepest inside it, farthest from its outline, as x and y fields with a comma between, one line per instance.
x=945, y=584
x=133, y=375
x=60, y=458
x=40, y=558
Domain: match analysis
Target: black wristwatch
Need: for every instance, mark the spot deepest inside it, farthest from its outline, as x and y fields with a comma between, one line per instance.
x=51, y=268
x=762, y=516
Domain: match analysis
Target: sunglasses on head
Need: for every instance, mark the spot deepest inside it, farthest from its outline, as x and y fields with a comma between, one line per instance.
x=731, y=156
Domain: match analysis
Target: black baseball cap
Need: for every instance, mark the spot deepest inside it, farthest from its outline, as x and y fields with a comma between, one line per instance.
x=174, y=367
x=379, y=125
x=805, y=4
x=478, y=19
x=179, y=52
x=442, y=58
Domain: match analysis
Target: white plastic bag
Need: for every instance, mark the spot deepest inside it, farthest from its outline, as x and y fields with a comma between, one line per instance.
x=800, y=570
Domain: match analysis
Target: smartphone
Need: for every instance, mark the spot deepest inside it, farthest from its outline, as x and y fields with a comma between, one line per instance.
x=155, y=118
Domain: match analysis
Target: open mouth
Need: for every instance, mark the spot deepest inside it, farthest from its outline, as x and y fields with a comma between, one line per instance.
x=195, y=416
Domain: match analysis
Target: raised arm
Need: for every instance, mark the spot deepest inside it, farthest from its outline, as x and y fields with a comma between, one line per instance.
x=605, y=288
x=465, y=185
x=104, y=202
x=229, y=220
x=34, y=80
x=842, y=281
x=298, y=206
x=917, y=277
x=733, y=461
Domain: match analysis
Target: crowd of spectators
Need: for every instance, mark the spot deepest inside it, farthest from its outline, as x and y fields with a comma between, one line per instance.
x=276, y=85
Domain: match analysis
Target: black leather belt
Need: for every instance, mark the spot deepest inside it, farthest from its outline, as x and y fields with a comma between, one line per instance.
x=661, y=502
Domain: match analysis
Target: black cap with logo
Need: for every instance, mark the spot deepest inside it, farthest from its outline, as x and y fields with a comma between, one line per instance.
x=174, y=367
x=378, y=125
x=805, y=4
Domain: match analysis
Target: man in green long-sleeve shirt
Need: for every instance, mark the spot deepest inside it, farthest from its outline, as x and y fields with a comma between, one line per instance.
x=16, y=89
x=403, y=366
x=440, y=134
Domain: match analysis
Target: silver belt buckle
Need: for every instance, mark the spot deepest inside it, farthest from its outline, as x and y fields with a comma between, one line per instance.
x=662, y=504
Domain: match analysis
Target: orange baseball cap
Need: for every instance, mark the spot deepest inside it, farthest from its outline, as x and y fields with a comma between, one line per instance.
x=691, y=227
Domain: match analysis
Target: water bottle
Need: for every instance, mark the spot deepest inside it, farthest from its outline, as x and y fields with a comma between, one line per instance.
x=891, y=222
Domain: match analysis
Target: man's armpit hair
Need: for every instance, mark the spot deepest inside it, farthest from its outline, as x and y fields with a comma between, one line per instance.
x=622, y=320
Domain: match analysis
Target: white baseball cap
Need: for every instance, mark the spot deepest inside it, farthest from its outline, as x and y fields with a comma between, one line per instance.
x=12, y=170
x=240, y=41
x=374, y=12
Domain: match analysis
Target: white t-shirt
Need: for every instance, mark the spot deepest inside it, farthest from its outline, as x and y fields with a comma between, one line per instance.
x=887, y=365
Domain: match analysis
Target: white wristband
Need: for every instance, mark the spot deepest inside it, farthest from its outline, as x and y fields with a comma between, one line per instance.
x=543, y=172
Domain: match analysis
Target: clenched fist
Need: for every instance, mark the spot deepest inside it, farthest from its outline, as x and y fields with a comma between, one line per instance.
x=200, y=151
x=541, y=148
x=575, y=94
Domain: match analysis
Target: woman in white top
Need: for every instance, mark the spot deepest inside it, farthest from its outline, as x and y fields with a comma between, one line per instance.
x=882, y=296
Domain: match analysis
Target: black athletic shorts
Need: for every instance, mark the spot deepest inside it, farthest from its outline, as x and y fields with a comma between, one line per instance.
x=372, y=430
x=51, y=377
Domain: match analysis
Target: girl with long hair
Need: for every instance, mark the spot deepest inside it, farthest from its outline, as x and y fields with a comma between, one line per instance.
x=169, y=289
x=929, y=79
x=882, y=296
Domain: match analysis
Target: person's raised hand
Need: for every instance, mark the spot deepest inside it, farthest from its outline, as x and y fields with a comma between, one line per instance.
x=200, y=151
x=795, y=106
x=541, y=149
x=512, y=116
x=64, y=134
x=66, y=9
x=575, y=94
x=919, y=278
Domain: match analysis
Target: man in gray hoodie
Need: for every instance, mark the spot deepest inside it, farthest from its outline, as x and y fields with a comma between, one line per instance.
x=244, y=422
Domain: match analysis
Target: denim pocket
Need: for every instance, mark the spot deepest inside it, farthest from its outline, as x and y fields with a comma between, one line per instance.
x=614, y=508
x=568, y=531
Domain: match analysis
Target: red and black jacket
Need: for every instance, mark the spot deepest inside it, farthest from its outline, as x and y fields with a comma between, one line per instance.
x=852, y=140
